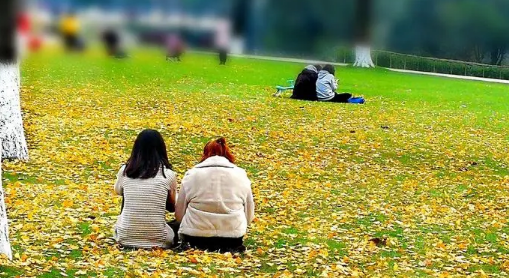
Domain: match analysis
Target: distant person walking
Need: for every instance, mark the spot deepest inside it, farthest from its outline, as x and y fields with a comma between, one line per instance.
x=174, y=47
x=112, y=42
x=222, y=40
x=69, y=29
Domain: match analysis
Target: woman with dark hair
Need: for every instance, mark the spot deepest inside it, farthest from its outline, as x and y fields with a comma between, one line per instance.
x=305, y=85
x=215, y=203
x=148, y=187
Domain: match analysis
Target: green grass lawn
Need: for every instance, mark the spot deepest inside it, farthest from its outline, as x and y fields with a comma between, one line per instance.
x=424, y=163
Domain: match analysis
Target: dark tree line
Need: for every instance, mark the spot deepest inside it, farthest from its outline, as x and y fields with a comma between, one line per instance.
x=471, y=30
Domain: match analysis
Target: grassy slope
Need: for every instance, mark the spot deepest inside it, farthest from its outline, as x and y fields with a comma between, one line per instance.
x=326, y=177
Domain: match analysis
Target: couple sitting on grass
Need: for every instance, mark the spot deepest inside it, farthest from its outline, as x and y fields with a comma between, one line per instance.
x=317, y=83
x=212, y=210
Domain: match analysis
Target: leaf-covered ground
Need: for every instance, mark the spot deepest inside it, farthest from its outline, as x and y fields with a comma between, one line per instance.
x=424, y=165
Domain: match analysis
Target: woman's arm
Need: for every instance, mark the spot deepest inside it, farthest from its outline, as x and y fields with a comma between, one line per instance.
x=119, y=189
x=172, y=193
x=181, y=207
x=249, y=208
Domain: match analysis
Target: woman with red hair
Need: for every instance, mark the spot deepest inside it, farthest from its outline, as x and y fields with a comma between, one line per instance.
x=215, y=203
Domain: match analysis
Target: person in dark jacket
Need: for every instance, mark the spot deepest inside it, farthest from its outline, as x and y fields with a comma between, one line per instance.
x=305, y=85
x=112, y=42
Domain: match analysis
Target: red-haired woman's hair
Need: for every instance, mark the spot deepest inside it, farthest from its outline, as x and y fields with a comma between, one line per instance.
x=217, y=147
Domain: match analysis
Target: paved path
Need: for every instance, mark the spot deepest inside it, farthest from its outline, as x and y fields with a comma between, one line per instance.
x=291, y=60
x=312, y=62
x=502, y=81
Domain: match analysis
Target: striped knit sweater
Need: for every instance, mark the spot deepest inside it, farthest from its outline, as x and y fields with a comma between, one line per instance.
x=142, y=223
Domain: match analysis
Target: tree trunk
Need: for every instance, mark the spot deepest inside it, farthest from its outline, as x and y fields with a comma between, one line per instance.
x=363, y=34
x=12, y=137
x=11, y=125
x=5, y=246
x=497, y=55
x=240, y=19
x=478, y=54
x=363, y=57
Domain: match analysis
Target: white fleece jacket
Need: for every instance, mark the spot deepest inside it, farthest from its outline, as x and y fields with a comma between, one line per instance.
x=215, y=200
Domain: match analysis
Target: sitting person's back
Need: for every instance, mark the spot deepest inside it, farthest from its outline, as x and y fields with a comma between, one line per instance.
x=326, y=86
x=215, y=203
x=148, y=186
x=305, y=84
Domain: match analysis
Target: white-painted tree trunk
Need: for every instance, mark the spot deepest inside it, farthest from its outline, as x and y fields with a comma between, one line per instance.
x=5, y=245
x=11, y=124
x=363, y=57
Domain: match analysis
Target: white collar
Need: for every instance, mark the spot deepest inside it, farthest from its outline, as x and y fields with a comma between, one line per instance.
x=216, y=161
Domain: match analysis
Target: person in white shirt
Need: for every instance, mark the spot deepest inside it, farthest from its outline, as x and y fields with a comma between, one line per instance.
x=215, y=203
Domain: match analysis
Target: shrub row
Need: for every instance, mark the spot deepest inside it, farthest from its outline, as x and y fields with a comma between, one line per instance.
x=408, y=62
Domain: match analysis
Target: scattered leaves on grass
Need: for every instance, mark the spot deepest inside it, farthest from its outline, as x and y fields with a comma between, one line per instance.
x=326, y=178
